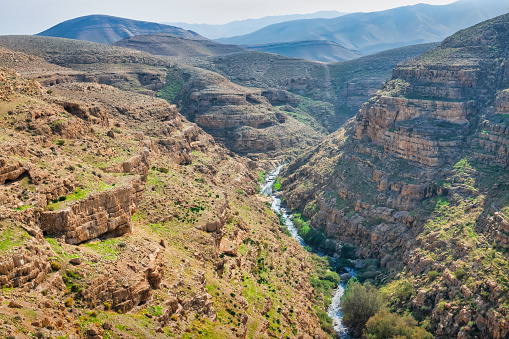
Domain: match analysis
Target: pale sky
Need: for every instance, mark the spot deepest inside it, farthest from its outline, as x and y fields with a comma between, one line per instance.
x=34, y=16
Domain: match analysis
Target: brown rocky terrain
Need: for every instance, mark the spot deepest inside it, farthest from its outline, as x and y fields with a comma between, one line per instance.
x=242, y=118
x=119, y=218
x=259, y=129
x=323, y=94
x=264, y=107
x=417, y=184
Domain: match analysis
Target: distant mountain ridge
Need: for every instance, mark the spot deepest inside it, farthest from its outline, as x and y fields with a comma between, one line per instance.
x=241, y=27
x=108, y=29
x=318, y=50
x=171, y=45
x=378, y=31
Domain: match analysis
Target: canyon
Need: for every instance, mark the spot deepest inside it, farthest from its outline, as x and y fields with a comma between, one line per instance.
x=134, y=198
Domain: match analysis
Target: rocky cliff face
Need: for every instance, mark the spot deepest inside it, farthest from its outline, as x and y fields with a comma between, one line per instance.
x=242, y=119
x=417, y=181
x=316, y=86
x=107, y=212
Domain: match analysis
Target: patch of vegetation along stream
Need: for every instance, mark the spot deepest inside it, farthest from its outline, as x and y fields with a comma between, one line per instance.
x=324, y=282
x=323, y=277
x=312, y=236
x=365, y=313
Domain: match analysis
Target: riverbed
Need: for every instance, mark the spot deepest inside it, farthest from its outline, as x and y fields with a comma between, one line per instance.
x=334, y=308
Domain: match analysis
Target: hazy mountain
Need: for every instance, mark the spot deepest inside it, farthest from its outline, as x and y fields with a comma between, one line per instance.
x=319, y=50
x=171, y=45
x=377, y=31
x=107, y=29
x=241, y=27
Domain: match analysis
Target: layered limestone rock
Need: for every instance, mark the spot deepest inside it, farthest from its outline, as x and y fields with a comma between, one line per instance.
x=11, y=172
x=27, y=267
x=92, y=114
x=357, y=91
x=428, y=132
x=108, y=212
x=139, y=164
x=241, y=118
x=492, y=139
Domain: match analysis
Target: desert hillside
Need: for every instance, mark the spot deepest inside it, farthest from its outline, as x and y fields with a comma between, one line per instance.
x=120, y=219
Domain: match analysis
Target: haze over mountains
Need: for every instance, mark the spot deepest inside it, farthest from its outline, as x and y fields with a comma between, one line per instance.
x=319, y=50
x=241, y=27
x=377, y=31
x=323, y=36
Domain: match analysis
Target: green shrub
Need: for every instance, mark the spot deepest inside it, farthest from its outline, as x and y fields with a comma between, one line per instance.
x=385, y=325
x=359, y=303
x=68, y=302
x=432, y=275
x=277, y=184
x=347, y=251
x=55, y=266
x=325, y=321
x=404, y=291
x=459, y=273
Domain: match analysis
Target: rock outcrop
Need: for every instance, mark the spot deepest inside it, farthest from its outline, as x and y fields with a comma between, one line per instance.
x=107, y=212
x=27, y=267
x=11, y=172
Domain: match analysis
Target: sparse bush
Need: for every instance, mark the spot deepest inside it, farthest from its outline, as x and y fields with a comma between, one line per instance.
x=76, y=288
x=459, y=273
x=107, y=306
x=55, y=266
x=60, y=142
x=432, y=275
x=68, y=302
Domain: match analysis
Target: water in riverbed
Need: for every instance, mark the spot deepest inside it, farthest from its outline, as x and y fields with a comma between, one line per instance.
x=334, y=308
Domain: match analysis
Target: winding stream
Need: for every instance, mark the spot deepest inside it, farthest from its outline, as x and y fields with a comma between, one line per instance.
x=334, y=308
